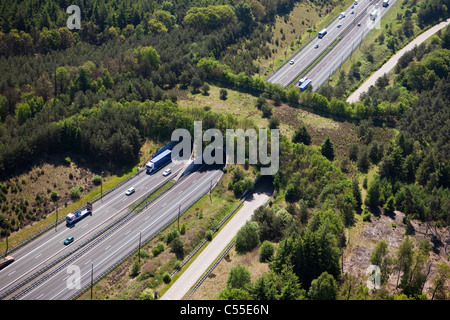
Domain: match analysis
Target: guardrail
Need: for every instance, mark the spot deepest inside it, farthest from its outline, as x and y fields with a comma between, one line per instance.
x=136, y=248
x=298, y=50
x=309, y=66
x=211, y=268
x=113, y=226
x=54, y=224
x=186, y=260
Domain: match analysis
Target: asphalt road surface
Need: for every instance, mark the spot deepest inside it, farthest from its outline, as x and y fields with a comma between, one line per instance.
x=98, y=259
x=388, y=66
x=49, y=246
x=305, y=57
x=220, y=241
x=353, y=37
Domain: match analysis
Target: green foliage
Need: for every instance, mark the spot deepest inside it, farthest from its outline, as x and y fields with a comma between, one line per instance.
x=75, y=192
x=173, y=234
x=177, y=247
x=147, y=59
x=239, y=277
x=323, y=288
x=266, y=251
x=247, y=237
x=166, y=278
x=134, y=271
x=327, y=149
x=301, y=135
x=158, y=248
x=96, y=180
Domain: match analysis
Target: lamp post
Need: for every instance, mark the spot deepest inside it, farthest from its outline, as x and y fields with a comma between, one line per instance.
x=56, y=209
x=139, y=249
x=92, y=277
x=7, y=234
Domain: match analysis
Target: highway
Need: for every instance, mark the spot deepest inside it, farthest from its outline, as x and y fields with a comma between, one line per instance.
x=353, y=37
x=309, y=53
x=48, y=247
x=118, y=244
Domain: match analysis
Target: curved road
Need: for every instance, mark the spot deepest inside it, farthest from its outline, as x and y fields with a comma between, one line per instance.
x=388, y=66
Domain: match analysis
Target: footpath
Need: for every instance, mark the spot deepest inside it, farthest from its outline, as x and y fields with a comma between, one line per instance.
x=388, y=66
x=196, y=269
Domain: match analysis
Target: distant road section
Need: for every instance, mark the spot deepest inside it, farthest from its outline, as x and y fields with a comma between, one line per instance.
x=388, y=66
x=201, y=264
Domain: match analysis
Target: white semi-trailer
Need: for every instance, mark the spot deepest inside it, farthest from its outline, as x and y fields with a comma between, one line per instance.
x=71, y=218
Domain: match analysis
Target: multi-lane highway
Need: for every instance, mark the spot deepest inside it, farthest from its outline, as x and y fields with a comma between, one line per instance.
x=48, y=247
x=117, y=245
x=352, y=29
x=316, y=47
x=353, y=37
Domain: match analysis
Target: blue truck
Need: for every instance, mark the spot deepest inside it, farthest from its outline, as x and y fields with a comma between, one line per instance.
x=159, y=161
x=304, y=85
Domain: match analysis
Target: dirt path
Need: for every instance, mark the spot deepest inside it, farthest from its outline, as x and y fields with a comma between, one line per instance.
x=388, y=66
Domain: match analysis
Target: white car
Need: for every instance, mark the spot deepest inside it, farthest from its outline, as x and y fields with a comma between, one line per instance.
x=167, y=172
x=130, y=191
x=292, y=62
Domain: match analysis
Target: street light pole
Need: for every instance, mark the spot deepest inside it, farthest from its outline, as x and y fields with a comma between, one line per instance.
x=56, y=205
x=179, y=211
x=92, y=277
x=139, y=250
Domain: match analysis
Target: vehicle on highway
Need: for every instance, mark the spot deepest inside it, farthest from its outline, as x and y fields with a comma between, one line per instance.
x=355, y=3
x=6, y=261
x=130, y=191
x=167, y=172
x=316, y=46
x=322, y=33
x=305, y=85
x=292, y=62
x=342, y=15
x=373, y=14
x=385, y=3
x=353, y=11
x=339, y=25
x=158, y=161
x=71, y=218
x=302, y=80
x=359, y=24
x=68, y=240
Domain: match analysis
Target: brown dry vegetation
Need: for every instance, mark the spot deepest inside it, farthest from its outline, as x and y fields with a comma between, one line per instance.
x=390, y=228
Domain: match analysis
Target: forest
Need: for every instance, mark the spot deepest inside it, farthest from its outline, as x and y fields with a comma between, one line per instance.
x=100, y=92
